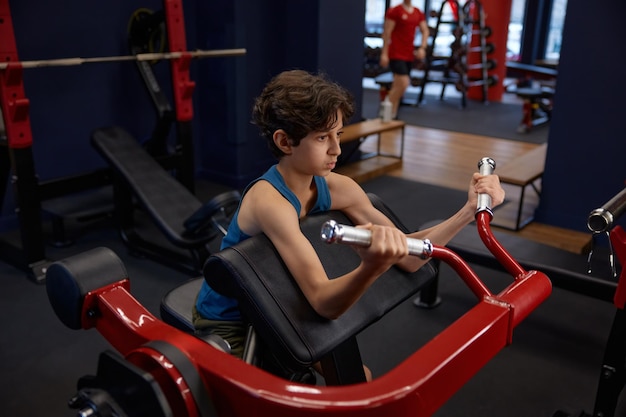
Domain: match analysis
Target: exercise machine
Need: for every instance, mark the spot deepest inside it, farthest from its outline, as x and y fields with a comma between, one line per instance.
x=158, y=177
x=163, y=370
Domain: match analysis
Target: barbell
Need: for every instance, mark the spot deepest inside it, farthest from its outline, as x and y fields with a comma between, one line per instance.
x=153, y=56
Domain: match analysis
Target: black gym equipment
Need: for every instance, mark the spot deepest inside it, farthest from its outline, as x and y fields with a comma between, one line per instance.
x=160, y=177
x=91, y=290
x=285, y=326
x=256, y=264
x=16, y=157
x=440, y=69
x=536, y=86
x=188, y=224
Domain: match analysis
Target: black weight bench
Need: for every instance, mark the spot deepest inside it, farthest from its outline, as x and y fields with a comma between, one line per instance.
x=284, y=322
x=566, y=270
x=187, y=224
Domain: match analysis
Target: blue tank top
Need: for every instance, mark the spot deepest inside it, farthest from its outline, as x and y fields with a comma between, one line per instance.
x=213, y=305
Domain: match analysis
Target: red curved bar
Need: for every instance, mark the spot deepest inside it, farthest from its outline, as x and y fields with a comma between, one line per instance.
x=483, y=219
x=462, y=268
x=417, y=387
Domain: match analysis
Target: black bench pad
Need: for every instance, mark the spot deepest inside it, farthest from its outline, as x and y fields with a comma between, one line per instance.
x=254, y=273
x=165, y=199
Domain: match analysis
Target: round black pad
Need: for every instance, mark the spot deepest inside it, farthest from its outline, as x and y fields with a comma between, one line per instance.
x=70, y=279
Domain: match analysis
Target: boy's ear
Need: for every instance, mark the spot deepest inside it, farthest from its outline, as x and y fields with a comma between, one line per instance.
x=282, y=141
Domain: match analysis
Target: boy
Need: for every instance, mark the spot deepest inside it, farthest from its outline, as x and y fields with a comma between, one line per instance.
x=302, y=115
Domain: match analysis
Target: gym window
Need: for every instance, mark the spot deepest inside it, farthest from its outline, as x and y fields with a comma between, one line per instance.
x=375, y=17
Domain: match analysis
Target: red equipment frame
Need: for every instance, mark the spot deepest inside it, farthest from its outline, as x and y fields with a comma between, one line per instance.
x=416, y=387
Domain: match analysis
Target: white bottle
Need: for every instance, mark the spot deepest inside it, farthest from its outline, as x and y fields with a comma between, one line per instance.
x=385, y=109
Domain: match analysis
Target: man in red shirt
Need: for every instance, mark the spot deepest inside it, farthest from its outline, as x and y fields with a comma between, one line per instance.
x=398, y=51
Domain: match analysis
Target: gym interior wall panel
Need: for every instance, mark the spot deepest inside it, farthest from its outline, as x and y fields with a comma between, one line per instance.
x=341, y=50
x=230, y=150
x=301, y=32
x=278, y=35
x=586, y=146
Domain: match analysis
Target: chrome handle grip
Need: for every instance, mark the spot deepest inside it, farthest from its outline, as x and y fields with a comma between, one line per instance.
x=333, y=232
x=486, y=166
x=602, y=219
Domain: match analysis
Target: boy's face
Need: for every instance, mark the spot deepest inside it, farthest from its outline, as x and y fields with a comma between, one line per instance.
x=317, y=153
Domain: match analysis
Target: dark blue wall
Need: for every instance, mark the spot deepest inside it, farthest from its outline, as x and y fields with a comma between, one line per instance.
x=586, y=160
x=68, y=103
x=322, y=35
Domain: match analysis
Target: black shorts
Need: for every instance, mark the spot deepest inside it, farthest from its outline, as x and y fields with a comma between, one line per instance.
x=400, y=67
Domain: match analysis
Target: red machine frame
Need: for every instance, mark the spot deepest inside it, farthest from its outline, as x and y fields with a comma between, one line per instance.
x=417, y=387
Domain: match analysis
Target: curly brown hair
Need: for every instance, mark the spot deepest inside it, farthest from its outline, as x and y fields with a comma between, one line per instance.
x=300, y=103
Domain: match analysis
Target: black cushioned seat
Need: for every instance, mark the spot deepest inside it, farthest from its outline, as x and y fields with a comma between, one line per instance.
x=176, y=305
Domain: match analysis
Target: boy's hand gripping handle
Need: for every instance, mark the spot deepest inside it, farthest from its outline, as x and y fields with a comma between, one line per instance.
x=486, y=166
x=333, y=232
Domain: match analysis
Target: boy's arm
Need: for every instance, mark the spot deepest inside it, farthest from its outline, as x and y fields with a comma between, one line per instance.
x=360, y=210
x=330, y=298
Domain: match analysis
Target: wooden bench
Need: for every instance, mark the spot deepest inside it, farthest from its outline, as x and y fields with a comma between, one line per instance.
x=376, y=163
x=522, y=172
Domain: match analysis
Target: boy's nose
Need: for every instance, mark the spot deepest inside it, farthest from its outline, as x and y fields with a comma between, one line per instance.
x=336, y=146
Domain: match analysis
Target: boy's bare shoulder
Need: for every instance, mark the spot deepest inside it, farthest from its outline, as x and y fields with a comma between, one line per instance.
x=340, y=180
x=344, y=191
x=262, y=192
